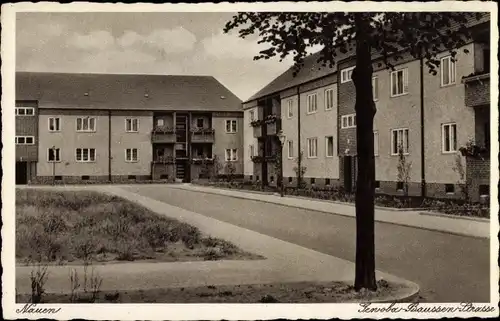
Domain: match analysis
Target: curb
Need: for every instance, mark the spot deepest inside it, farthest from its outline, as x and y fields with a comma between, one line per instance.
x=455, y=217
x=405, y=297
x=391, y=209
x=341, y=214
x=411, y=291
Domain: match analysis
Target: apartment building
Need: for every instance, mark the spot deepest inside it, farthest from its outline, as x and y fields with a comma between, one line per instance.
x=304, y=107
x=429, y=116
x=123, y=128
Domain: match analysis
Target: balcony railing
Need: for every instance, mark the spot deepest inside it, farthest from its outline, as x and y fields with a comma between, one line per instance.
x=477, y=89
x=164, y=160
x=257, y=132
x=201, y=161
x=205, y=135
x=261, y=159
x=274, y=127
x=163, y=135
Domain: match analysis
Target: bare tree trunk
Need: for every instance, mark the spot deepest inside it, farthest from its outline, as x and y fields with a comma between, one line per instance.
x=365, y=185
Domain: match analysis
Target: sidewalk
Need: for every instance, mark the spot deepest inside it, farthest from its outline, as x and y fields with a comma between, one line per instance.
x=285, y=262
x=451, y=225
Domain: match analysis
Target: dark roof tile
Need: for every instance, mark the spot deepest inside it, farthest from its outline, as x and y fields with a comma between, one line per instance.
x=125, y=91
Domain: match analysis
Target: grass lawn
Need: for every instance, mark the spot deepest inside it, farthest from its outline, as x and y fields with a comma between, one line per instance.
x=301, y=292
x=75, y=227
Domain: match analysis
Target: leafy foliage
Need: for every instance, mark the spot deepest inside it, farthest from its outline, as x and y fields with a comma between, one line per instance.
x=364, y=36
x=404, y=170
x=300, y=170
x=459, y=168
x=390, y=34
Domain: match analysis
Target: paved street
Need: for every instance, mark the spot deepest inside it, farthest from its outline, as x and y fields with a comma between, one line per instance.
x=448, y=268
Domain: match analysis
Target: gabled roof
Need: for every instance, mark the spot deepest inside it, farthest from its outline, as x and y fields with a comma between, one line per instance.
x=313, y=70
x=310, y=71
x=125, y=92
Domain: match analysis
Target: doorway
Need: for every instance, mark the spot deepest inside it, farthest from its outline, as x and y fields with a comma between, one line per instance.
x=21, y=173
x=348, y=173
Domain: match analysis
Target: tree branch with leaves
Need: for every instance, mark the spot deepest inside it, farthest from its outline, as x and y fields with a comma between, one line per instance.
x=363, y=36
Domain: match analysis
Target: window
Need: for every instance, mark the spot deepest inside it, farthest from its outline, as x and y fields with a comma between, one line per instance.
x=85, y=124
x=131, y=155
x=449, y=188
x=131, y=125
x=348, y=121
x=290, y=149
x=375, y=143
x=132, y=177
x=399, y=186
x=486, y=60
x=449, y=138
x=399, y=82
x=312, y=147
x=290, y=108
x=312, y=107
x=231, y=155
x=160, y=122
x=25, y=140
x=290, y=179
x=200, y=123
x=25, y=111
x=375, y=88
x=329, y=146
x=252, y=151
x=85, y=155
x=329, y=99
x=160, y=153
x=448, y=71
x=252, y=115
x=484, y=190
x=346, y=75
x=54, y=124
x=327, y=181
x=53, y=155
x=487, y=134
x=313, y=180
x=377, y=184
x=231, y=126
x=399, y=140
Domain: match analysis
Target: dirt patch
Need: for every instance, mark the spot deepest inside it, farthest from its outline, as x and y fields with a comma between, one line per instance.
x=78, y=227
x=302, y=292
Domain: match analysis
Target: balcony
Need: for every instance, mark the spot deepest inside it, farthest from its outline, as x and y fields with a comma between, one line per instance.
x=163, y=135
x=273, y=124
x=205, y=135
x=477, y=89
x=164, y=160
x=202, y=161
x=262, y=159
x=257, y=132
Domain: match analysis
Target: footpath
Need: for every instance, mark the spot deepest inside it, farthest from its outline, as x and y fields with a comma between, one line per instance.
x=284, y=262
x=479, y=228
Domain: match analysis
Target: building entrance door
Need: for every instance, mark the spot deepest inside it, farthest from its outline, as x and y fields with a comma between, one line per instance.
x=21, y=173
x=348, y=173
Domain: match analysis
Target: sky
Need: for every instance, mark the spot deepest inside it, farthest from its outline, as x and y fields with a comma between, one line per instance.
x=143, y=43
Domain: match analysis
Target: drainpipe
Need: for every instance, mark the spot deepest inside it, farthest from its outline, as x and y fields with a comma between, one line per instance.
x=299, y=163
x=109, y=145
x=422, y=129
